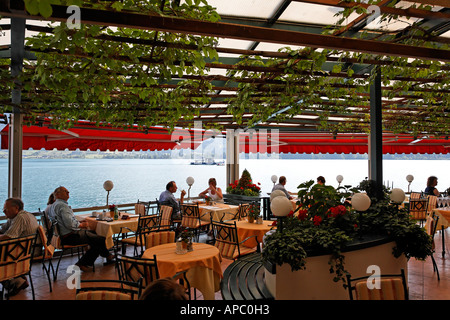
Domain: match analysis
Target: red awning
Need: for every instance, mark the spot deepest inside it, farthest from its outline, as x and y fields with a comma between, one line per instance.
x=87, y=136
x=314, y=143
x=99, y=138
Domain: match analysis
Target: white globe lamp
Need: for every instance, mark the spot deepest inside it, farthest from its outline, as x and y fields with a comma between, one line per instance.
x=397, y=195
x=361, y=202
x=281, y=206
x=108, y=185
x=277, y=193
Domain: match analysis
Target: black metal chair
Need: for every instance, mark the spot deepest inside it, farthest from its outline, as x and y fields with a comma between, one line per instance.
x=227, y=241
x=47, y=254
x=108, y=290
x=378, y=287
x=191, y=219
x=16, y=259
x=59, y=243
x=146, y=224
x=431, y=226
x=145, y=270
x=418, y=209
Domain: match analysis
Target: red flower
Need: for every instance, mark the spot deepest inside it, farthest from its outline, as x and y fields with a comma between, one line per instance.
x=291, y=214
x=302, y=214
x=317, y=220
x=274, y=223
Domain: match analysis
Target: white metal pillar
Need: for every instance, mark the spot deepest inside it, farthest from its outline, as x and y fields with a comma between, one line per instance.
x=232, y=161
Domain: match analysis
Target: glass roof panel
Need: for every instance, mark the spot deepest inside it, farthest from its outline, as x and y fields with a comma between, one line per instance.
x=312, y=13
x=246, y=8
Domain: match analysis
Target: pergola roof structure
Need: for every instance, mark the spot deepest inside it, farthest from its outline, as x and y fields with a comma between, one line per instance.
x=242, y=75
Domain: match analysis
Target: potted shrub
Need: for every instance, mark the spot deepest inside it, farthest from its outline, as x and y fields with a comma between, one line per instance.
x=253, y=213
x=326, y=223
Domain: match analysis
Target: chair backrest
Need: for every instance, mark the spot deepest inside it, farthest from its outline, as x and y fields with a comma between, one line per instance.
x=139, y=208
x=418, y=209
x=15, y=256
x=378, y=287
x=48, y=226
x=226, y=238
x=243, y=211
x=146, y=224
x=414, y=195
x=190, y=215
x=432, y=201
x=49, y=249
x=55, y=240
x=159, y=237
x=134, y=269
x=108, y=290
x=166, y=217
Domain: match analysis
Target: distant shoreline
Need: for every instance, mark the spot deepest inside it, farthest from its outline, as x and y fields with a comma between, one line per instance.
x=167, y=154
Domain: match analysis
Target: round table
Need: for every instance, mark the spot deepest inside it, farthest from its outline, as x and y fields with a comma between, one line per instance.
x=246, y=229
x=203, y=265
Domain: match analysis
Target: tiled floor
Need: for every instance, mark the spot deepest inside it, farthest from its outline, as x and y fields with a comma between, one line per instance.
x=422, y=280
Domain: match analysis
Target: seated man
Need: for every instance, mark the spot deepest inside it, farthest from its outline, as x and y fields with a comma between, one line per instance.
x=280, y=186
x=20, y=224
x=167, y=198
x=73, y=233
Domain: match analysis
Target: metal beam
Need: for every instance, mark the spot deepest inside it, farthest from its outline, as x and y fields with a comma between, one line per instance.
x=376, y=134
x=233, y=31
x=15, y=130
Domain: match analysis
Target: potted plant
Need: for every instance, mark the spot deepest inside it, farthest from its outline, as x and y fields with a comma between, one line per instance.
x=253, y=213
x=208, y=200
x=243, y=190
x=112, y=210
x=186, y=239
x=325, y=222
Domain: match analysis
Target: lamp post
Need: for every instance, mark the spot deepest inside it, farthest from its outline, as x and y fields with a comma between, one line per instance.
x=108, y=185
x=190, y=182
x=410, y=179
x=339, y=179
x=280, y=206
x=274, y=179
x=360, y=202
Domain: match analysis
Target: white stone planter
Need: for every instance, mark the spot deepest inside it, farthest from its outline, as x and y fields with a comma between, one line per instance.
x=316, y=282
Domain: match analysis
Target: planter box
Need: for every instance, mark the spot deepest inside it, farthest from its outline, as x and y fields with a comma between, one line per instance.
x=316, y=281
x=237, y=198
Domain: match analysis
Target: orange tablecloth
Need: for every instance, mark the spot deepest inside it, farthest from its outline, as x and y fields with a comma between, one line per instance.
x=108, y=229
x=246, y=229
x=203, y=263
x=218, y=210
x=444, y=217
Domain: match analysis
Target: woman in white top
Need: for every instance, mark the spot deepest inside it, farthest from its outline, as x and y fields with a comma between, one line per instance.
x=213, y=192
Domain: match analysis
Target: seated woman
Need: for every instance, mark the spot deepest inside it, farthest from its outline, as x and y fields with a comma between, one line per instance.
x=431, y=187
x=213, y=192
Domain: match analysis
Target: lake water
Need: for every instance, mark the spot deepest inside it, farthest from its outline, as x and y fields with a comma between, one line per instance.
x=145, y=179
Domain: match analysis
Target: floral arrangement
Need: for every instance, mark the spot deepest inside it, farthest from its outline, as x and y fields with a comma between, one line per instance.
x=186, y=235
x=325, y=222
x=112, y=207
x=244, y=186
x=254, y=211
